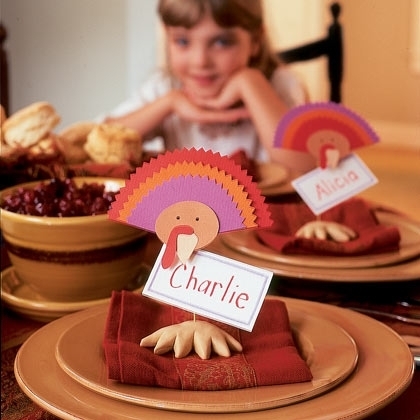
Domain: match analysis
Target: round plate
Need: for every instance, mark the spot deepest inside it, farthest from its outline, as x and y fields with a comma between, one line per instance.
x=275, y=179
x=271, y=174
x=405, y=271
x=246, y=242
x=22, y=299
x=329, y=351
x=383, y=372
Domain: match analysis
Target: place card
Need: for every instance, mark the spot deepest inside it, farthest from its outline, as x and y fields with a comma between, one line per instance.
x=330, y=132
x=322, y=129
x=322, y=189
x=187, y=197
x=213, y=286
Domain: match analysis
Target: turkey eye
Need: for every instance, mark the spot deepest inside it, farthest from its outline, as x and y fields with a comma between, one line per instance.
x=178, y=217
x=197, y=219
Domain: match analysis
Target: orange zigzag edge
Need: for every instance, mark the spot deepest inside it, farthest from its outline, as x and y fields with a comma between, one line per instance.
x=209, y=160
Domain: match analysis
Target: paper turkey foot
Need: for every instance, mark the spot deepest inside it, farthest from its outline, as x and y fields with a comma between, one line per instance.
x=201, y=336
x=320, y=229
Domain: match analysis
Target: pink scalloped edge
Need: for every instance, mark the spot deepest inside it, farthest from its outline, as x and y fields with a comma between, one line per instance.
x=263, y=216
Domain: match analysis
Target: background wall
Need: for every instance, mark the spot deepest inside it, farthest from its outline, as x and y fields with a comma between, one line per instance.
x=381, y=58
x=290, y=24
x=85, y=56
x=380, y=80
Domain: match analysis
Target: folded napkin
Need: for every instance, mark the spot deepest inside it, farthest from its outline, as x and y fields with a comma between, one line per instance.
x=354, y=213
x=269, y=357
x=241, y=158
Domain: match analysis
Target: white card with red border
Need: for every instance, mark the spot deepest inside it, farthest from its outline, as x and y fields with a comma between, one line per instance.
x=322, y=189
x=212, y=286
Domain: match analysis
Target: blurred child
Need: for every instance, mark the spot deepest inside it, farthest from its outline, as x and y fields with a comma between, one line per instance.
x=222, y=90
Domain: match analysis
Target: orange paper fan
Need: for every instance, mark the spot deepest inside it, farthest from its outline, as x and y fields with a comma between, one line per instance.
x=191, y=175
x=302, y=122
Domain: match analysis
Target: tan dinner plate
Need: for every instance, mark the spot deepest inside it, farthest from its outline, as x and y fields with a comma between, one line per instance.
x=405, y=271
x=247, y=242
x=275, y=179
x=383, y=372
x=271, y=174
x=403, y=265
x=329, y=351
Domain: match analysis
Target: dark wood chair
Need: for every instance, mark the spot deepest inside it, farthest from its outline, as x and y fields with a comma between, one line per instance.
x=331, y=46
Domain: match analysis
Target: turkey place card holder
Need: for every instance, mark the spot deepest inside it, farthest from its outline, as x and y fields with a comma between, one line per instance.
x=187, y=197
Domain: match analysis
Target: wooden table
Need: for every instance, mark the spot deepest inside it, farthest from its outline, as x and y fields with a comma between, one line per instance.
x=16, y=329
x=399, y=188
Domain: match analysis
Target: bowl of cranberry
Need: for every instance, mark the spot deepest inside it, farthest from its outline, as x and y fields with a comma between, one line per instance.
x=62, y=244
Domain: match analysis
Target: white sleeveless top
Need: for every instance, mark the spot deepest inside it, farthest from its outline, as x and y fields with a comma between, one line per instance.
x=225, y=138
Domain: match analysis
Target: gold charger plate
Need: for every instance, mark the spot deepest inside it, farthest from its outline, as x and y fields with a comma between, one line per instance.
x=247, y=242
x=20, y=298
x=408, y=269
x=404, y=271
x=329, y=351
x=383, y=372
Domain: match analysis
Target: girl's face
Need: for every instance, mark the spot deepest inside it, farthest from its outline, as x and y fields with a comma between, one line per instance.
x=205, y=56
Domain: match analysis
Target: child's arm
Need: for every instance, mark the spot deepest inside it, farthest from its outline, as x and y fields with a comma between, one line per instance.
x=148, y=118
x=250, y=87
x=264, y=105
x=145, y=119
x=265, y=109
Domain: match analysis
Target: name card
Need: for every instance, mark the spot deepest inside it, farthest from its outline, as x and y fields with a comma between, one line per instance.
x=213, y=286
x=322, y=189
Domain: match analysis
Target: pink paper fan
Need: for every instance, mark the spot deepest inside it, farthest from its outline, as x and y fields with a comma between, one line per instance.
x=191, y=175
x=301, y=122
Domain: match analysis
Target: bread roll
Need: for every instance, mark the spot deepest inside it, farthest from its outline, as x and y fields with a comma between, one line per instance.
x=113, y=143
x=6, y=150
x=29, y=125
x=47, y=146
x=72, y=140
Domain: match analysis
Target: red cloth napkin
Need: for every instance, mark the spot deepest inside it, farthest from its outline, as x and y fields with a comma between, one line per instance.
x=269, y=357
x=354, y=213
x=241, y=158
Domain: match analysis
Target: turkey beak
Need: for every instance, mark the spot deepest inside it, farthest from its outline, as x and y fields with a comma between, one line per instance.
x=185, y=246
x=181, y=242
x=329, y=157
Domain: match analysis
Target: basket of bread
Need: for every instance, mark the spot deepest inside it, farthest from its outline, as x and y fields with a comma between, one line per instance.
x=33, y=149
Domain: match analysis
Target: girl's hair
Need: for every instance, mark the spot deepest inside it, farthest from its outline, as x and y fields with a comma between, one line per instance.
x=247, y=14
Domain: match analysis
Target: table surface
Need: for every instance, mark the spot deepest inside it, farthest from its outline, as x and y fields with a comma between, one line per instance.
x=399, y=182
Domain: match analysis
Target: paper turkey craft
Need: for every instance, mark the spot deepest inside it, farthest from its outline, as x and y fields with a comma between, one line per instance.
x=190, y=192
x=328, y=131
x=187, y=197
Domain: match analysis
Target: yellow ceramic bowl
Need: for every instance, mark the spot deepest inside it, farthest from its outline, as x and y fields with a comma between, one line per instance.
x=67, y=259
